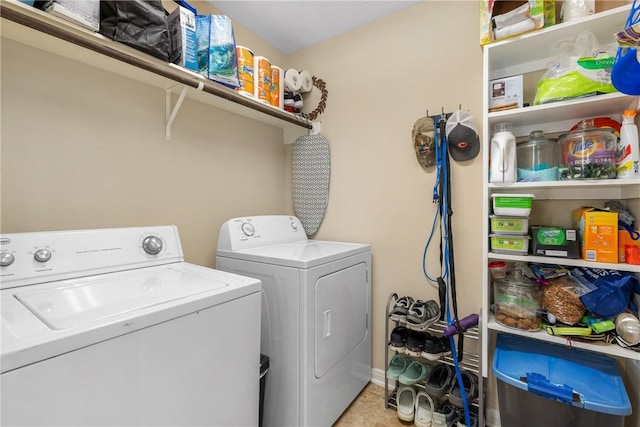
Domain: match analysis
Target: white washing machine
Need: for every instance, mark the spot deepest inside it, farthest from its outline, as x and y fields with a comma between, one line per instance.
x=111, y=327
x=315, y=315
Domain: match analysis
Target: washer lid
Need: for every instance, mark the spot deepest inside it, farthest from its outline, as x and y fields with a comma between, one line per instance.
x=76, y=302
x=303, y=254
x=45, y=320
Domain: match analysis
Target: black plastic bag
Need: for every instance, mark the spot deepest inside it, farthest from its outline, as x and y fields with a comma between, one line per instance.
x=136, y=23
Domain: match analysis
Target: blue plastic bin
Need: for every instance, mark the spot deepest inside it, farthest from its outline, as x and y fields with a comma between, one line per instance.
x=542, y=384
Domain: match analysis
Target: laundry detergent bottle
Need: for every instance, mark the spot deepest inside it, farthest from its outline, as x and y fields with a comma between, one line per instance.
x=503, y=154
x=627, y=155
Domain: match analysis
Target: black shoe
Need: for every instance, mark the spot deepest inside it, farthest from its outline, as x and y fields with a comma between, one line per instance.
x=460, y=421
x=439, y=380
x=451, y=413
x=470, y=382
x=415, y=343
x=435, y=348
x=398, y=338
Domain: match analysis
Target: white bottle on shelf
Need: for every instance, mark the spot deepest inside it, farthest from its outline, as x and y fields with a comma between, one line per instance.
x=627, y=156
x=503, y=154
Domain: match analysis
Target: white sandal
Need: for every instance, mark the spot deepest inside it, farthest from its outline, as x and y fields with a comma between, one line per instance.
x=405, y=403
x=424, y=410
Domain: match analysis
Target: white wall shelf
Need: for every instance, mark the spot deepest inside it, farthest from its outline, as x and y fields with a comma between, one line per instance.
x=596, y=347
x=42, y=30
x=604, y=189
x=565, y=261
x=529, y=54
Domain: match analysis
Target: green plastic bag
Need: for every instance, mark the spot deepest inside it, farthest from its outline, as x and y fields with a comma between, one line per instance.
x=580, y=67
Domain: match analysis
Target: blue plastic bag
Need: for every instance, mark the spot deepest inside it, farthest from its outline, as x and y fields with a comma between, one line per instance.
x=625, y=74
x=611, y=290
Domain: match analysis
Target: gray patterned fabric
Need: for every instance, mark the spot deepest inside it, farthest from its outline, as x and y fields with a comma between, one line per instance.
x=310, y=172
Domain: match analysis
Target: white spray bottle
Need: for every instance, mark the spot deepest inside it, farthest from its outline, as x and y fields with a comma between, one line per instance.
x=503, y=154
x=627, y=155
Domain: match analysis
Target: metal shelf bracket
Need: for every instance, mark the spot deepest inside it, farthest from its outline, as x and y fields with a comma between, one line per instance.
x=170, y=115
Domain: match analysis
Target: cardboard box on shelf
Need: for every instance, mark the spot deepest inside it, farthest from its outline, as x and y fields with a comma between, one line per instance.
x=554, y=241
x=514, y=17
x=182, y=37
x=505, y=93
x=598, y=231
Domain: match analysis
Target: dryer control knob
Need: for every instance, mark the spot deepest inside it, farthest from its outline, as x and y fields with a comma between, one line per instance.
x=6, y=259
x=42, y=255
x=248, y=229
x=294, y=226
x=152, y=245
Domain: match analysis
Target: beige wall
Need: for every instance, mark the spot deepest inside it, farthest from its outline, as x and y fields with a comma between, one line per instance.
x=381, y=78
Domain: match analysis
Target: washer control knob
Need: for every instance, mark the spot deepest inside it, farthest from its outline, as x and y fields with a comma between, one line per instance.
x=152, y=245
x=294, y=226
x=6, y=259
x=248, y=229
x=42, y=255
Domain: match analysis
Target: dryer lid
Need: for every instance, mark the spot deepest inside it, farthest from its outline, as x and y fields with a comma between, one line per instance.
x=303, y=254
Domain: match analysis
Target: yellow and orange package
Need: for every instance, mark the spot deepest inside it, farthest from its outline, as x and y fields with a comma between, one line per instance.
x=598, y=231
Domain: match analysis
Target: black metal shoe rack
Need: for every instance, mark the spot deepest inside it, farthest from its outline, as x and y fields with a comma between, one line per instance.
x=470, y=361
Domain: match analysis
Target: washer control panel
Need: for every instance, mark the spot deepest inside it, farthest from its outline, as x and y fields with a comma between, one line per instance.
x=256, y=231
x=30, y=258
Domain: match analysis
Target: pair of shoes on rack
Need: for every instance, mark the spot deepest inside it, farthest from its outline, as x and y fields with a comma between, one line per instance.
x=418, y=315
x=418, y=344
x=407, y=371
x=416, y=407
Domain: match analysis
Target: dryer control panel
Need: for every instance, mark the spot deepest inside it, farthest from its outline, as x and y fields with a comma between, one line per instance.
x=256, y=231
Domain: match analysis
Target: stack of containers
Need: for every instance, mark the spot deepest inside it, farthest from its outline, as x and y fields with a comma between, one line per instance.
x=516, y=298
x=510, y=223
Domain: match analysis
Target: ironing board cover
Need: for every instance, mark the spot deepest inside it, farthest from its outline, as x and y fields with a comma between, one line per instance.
x=310, y=172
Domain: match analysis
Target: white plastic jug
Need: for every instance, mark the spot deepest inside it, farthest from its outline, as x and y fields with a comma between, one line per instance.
x=503, y=154
x=628, y=155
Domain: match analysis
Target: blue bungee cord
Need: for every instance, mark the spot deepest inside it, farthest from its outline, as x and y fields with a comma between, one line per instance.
x=441, y=194
x=437, y=218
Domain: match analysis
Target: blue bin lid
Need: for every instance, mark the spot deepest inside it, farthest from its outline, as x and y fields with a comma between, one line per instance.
x=575, y=377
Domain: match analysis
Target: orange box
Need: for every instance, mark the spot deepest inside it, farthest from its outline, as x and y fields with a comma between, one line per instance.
x=598, y=231
x=624, y=238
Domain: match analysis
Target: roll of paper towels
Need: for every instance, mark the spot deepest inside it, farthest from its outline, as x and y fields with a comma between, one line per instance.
x=306, y=81
x=277, y=87
x=262, y=79
x=292, y=80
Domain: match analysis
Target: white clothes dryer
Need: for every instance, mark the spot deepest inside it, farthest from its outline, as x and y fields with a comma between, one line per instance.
x=111, y=327
x=315, y=315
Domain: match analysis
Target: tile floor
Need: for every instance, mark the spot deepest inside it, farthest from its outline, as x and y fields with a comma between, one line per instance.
x=368, y=411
